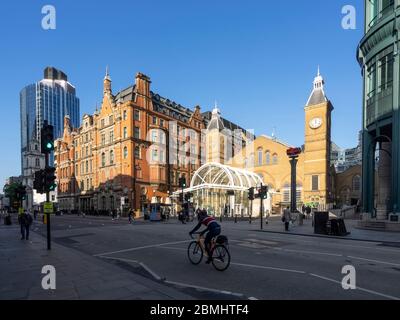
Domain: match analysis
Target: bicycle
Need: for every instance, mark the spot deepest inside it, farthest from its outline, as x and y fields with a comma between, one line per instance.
x=221, y=258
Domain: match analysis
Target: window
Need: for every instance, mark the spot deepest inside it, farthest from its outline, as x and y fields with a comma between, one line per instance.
x=125, y=115
x=161, y=123
x=111, y=157
x=103, y=159
x=275, y=159
x=87, y=166
x=137, y=115
x=91, y=166
x=103, y=139
x=137, y=133
x=154, y=155
x=37, y=162
x=87, y=184
x=76, y=155
x=260, y=156
x=76, y=169
x=137, y=152
x=356, y=183
x=87, y=151
x=125, y=132
x=155, y=120
x=162, y=161
x=111, y=136
x=315, y=183
x=154, y=138
x=110, y=120
x=268, y=158
x=125, y=152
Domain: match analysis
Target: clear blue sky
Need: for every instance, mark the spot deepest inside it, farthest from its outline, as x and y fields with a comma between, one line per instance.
x=257, y=58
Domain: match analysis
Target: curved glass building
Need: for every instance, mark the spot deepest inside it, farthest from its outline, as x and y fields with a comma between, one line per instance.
x=378, y=56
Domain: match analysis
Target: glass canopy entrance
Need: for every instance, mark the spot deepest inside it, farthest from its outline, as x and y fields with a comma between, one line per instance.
x=223, y=190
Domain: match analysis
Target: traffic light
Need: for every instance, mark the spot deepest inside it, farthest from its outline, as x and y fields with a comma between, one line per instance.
x=182, y=182
x=251, y=194
x=47, y=138
x=264, y=192
x=50, y=179
x=188, y=196
x=21, y=193
x=38, y=183
x=181, y=197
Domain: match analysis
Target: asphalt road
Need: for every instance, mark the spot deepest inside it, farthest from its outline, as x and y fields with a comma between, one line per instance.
x=264, y=265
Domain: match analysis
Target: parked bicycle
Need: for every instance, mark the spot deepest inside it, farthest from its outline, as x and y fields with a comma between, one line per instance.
x=221, y=258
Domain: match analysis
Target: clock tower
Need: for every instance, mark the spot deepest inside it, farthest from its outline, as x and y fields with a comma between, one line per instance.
x=317, y=181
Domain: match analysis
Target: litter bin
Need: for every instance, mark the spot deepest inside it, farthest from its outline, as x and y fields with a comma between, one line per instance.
x=320, y=222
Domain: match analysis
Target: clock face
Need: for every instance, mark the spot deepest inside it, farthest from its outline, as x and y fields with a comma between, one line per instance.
x=315, y=123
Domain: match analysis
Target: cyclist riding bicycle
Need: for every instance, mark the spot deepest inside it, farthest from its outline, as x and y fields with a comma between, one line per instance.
x=213, y=229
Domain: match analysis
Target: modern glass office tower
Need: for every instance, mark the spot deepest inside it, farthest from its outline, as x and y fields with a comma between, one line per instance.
x=378, y=56
x=50, y=99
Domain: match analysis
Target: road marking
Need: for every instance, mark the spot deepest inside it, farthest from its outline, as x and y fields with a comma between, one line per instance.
x=153, y=274
x=204, y=288
x=377, y=261
x=141, y=248
x=267, y=268
x=358, y=288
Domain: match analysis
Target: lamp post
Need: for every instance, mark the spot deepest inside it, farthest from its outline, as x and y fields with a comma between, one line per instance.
x=293, y=155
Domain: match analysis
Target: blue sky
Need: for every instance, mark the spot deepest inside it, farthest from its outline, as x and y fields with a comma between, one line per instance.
x=257, y=58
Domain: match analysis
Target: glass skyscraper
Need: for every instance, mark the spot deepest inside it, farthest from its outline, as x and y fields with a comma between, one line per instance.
x=50, y=99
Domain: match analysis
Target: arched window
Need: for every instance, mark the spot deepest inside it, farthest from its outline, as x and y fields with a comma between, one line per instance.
x=125, y=152
x=111, y=157
x=268, y=158
x=260, y=156
x=275, y=159
x=103, y=159
x=125, y=132
x=125, y=115
x=87, y=166
x=356, y=183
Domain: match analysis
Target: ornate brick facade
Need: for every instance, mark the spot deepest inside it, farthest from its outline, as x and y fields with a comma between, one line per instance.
x=121, y=152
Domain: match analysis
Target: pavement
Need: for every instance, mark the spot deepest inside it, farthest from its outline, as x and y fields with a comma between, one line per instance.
x=78, y=276
x=99, y=258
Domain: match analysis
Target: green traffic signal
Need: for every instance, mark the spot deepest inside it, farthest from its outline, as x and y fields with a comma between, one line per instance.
x=49, y=146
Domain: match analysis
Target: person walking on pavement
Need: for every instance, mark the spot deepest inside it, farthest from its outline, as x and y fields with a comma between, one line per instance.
x=286, y=218
x=130, y=216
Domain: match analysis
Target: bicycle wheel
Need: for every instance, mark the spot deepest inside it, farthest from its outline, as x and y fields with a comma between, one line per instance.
x=221, y=258
x=195, y=253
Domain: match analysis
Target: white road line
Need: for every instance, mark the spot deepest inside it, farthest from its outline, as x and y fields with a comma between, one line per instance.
x=358, y=288
x=377, y=261
x=267, y=268
x=140, y=248
x=204, y=288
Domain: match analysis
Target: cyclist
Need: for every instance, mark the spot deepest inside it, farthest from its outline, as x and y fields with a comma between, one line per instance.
x=213, y=229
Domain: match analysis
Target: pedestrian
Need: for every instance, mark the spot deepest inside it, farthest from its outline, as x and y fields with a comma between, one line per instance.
x=35, y=213
x=130, y=215
x=308, y=211
x=28, y=223
x=286, y=218
x=113, y=214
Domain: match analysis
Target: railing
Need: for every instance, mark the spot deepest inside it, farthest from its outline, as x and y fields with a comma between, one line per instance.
x=383, y=13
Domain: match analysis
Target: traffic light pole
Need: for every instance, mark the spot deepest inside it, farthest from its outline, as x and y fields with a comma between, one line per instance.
x=48, y=214
x=261, y=208
x=293, y=202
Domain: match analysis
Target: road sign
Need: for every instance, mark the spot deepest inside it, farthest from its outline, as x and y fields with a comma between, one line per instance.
x=48, y=207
